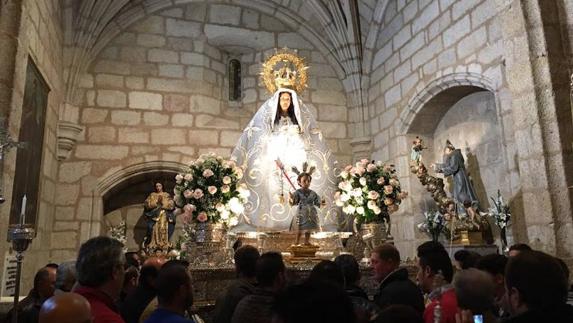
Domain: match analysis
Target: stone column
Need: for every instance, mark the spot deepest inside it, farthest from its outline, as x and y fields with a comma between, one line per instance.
x=10, y=18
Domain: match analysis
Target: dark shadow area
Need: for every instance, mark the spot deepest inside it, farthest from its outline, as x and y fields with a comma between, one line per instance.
x=472, y=167
x=428, y=118
x=519, y=228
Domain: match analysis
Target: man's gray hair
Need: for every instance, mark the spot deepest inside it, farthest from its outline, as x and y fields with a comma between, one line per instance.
x=66, y=275
x=97, y=259
x=475, y=290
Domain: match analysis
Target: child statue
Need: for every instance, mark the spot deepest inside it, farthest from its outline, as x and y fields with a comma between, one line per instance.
x=306, y=219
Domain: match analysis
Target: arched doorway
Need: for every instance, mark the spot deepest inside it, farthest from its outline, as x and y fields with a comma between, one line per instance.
x=121, y=197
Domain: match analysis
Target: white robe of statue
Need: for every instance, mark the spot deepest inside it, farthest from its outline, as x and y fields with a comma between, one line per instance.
x=263, y=142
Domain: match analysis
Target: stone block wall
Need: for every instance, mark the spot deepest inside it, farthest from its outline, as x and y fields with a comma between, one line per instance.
x=158, y=91
x=40, y=39
x=420, y=43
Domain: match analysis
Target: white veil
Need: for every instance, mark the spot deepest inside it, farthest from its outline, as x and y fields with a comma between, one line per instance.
x=264, y=211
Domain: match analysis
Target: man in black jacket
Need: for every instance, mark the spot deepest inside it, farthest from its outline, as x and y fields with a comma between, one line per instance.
x=395, y=286
x=536, y=289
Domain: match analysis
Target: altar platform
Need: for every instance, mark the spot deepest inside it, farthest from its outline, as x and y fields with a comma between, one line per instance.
x=210, y=282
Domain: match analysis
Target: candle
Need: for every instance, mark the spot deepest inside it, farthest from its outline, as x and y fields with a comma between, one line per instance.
x=23, y=210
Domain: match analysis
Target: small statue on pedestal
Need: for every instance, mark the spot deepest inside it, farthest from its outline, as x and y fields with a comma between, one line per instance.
x=159, y=215
x=463, y=191
x=306, y=219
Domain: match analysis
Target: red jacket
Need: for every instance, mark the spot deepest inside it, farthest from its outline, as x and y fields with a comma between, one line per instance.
x=103, y=307
x=448, y=304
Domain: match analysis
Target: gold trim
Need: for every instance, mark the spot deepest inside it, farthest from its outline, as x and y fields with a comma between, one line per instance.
x=275, y=77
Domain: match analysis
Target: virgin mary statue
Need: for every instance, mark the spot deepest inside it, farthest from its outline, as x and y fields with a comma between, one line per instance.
x=283, y=134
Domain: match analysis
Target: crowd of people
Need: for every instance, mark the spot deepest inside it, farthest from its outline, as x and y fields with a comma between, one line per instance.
x=105, y=285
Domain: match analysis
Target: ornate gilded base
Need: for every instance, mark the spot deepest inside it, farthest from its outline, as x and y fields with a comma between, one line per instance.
x=303, y=251
x=467, y=238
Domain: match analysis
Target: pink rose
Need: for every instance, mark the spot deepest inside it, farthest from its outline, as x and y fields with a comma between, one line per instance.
x=360, y=170
x=388, y=201
x=225, y=189
x=178, y=178
x=189, y=208
x=202, y=217
x=239, y=172
x=188, y=177
x=198, y=193
x=212, y=190
x=364, y=161
x=348, y=168
x=394, y=182
x=370, y=168
x=381, y=181
x=187, y=217
x=388, y=189
x=188, y=194
x=226, y=180
x=373, y=195
x=208, y=173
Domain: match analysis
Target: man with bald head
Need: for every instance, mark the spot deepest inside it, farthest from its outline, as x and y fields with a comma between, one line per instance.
x=66, y=308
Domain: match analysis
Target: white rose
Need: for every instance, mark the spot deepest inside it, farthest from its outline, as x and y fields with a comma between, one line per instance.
x=356, y=192
x=344, y=174
x=224, y=214
x=344, y=197
x=362, y=181
x=339, y=203
x=371, y=205
x=220, y=207
x=351, y=209
x=236, y=206
x=233, y=222
x=360, y=210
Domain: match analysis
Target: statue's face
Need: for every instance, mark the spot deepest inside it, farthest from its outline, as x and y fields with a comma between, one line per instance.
x=284, y=101
x=304, y=182
x=158, y=187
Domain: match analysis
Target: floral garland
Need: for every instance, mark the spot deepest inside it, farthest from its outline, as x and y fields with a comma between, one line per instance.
x=209, y=191
x=500, y=212
x=369, y=190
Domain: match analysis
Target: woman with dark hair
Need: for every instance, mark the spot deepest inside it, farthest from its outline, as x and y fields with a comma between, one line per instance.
x=285, y=109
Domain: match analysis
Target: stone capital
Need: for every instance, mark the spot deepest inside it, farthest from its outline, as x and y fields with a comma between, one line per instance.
x=68, y=133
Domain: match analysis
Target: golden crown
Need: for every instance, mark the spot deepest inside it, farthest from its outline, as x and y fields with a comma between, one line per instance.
x=284, y=69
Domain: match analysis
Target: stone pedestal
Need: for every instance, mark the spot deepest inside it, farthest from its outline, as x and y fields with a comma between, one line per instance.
x=481, y=249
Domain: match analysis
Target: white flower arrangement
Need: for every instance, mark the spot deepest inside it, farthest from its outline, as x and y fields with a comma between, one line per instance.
x=369, y=190
x=434, y=224
x=210, y=191
x=118, y=232
x=500, y=211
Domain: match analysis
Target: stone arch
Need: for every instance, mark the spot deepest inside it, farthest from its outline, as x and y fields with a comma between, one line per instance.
x=459, y=84
x=116, y=179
